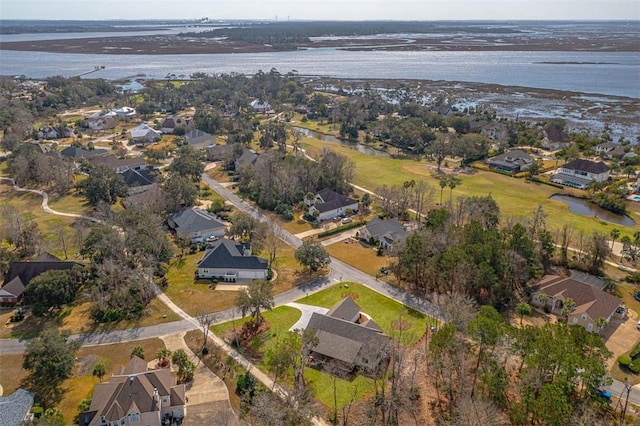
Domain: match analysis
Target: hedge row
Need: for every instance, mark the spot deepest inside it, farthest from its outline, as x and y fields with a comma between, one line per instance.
x=341, y=228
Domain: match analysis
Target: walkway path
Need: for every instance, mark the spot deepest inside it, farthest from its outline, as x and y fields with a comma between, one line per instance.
x=45, y=202
x=207, y=396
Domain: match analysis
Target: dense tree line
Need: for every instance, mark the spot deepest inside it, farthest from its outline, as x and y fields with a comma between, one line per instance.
x=463, y=249
x=278, y=182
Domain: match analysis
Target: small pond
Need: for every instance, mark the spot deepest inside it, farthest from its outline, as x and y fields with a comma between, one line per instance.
x=586, y=208
x=344, y=142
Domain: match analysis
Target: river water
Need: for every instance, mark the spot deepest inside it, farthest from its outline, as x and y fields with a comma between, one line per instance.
x=608, y=73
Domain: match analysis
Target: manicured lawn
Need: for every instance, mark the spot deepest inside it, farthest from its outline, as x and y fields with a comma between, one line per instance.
x=516, y=197
x=359, y=256
x=395, y=319
x=384, y=311
x=322, y=384
x=195, y=297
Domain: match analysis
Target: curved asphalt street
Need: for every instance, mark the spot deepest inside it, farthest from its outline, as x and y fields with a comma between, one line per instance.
x=340, y=271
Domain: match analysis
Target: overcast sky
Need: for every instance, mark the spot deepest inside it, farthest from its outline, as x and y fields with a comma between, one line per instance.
x=325, y=9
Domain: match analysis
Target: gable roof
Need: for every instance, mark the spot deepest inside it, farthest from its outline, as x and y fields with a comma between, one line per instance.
x=113, y=162
x=25, y=271
x=134, y=178
x=248, y=157
x=225, y=253
x=14, y=408
x=345, y=309
x=391, y=229
x=195, y=137
x=77, y=153
x=14, y=288
x=142, y=131
x=517, y=157
x=132, y=393
x=344, y=340
x=588, y=299
x=193, y=220
x=332, y=200
x=587, y=166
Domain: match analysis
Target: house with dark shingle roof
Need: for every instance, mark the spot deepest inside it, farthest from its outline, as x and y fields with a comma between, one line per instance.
x=16, y=408
x=195, y=224
x=328, y=204
x=139, y=180
x=511, y=162
x=119, y=165
x=230, y=260
x=385, y=232
x=75, y=154
x=346, y=344
x=249, y=156
x=135, y=396
x=198, y=139
x=580, y=173
x=21, y=273
x=591, y=303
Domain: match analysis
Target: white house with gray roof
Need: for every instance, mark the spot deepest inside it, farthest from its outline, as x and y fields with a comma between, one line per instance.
x=144, y=134
x=196, y=225
x=198, y=139
x=580, y=173
x=328, y=204
x=230, y=260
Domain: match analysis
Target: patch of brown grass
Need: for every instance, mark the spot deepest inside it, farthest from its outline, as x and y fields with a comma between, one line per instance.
x=359, y=256
x=11, y=372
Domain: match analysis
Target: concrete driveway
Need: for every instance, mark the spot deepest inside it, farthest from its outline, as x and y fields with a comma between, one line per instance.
x=207, y=396
x=307, y=311
x=621, y=335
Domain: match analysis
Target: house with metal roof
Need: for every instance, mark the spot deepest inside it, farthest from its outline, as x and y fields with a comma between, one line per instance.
x=511, y=162
x=135, y=396
x=580, y=173
x=196, y=225
x=591, y=303
x=230, y=260
x=144, y=134
x=328, y=204
x=348, y=340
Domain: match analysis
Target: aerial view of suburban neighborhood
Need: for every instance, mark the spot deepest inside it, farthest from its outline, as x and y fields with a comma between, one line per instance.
x=359, y=216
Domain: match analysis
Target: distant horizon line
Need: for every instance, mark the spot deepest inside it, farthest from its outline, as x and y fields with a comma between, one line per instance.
x=317, y=20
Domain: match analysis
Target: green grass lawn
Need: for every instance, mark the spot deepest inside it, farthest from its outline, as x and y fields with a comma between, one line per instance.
x=390, y=315
x=195, y=297
x=516, y=198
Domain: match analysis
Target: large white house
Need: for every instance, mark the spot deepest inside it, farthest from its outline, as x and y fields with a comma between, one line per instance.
x=580, y=173
x=144, y=134
x=328, y=204
x=230, y=260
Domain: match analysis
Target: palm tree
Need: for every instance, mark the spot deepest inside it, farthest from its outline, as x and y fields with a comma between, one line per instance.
x=614, y=234
x=137, y=351
x=452, y=182
x=523, y=309
x=163, y=355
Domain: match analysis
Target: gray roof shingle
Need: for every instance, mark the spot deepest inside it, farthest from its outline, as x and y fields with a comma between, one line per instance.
x=226, y=253
x=14, y=408
x=193, y=220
